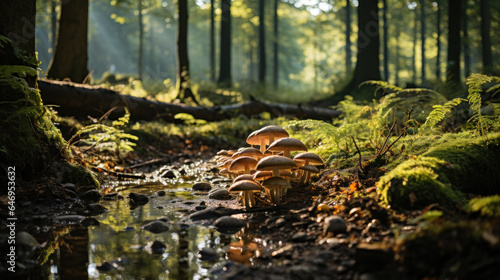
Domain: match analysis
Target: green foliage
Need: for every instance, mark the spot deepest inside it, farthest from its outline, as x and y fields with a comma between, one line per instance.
x=382, y=85
x=475, y=83
x=487, y=206
x=441, y=111
x=106, y=137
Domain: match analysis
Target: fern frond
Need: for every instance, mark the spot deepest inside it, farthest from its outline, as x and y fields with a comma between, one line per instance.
x=441, y=111
x=381, y=85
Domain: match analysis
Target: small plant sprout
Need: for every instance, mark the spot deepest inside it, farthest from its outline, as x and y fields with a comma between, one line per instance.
x=246, y=188
x=243, y=165
x=266, y=136
x=286, y=145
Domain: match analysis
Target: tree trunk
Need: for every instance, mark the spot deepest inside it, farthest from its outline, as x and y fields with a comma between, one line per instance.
x=18, y=24
x=465, y=39
x=70, y=55
x=348, y=61
x=212, y=40
x=415, y=38
x=141, y=40
x=225, y=45
x=453, y=60
x=262, y=45
x=397, y=63
x=53, y=22
x=386, y=40
x=275, y=46
x=485, y=36
x=82, y=100
x=183, y=79
x=438, y=40
x=368, y=63
x=422, y=38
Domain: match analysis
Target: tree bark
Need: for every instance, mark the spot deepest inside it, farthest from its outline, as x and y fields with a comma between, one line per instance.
x=485, y=36
x=212, y=40
x=386, y=40
x=53, y=22
x=81, y=101
x=422, y=38
x=225, y=45
x=19, y=24
x=348, y=53
x=70, y=55
x=141, y=40
x=275, y=46
x=438, y=40
x=262, y=44
x=465, y=39
x=415, y=38
x=453, y=60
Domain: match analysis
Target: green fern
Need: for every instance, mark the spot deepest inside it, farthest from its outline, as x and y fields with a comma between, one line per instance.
x=382, y=85
x=441, y=111
x=475, y=82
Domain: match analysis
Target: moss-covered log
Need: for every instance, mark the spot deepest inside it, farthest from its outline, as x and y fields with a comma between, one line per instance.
x=82, y=100
x=444, y=173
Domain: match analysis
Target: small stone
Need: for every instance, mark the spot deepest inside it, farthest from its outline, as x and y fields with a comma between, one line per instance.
x=219, y=194
x=163, y=219
x=280, y=222
x=169, y=174
x=69, y=218
x=26, y=240
x=156, y=247
x=128, y=228
x=301, y=272
x=91, y=195
x=160, y=193
x=138, y=199
x=96, y=208
x=202, y=186
x=228, y=222
x=299, y=237
x=207, y=254
x=156, y=226
x=200, y=207
x=105, y=267
x=89, y=222
x=334, y=224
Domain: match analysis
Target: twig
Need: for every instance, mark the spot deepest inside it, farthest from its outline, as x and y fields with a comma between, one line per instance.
x=359, y=153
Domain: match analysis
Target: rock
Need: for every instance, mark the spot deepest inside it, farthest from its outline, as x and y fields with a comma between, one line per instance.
x=156, y=226
x=96, y=208
x=128, y=228
x=169, y=174
x=69, y=186
x=160, y=193
x=89, y=222
x=228, y=222
x=69, y=218
x=26, y=240
x=219, y=194
x=105, y=267
x=163, y=219
x=334, y=224
x=200, y=207
x=91, y=195
x=138, y=199
x=111, y=196
x=201, y=186
x=70, y=193
x=207, y=254
x=373, y=256
x=280, y=222
x=299, y=237
x=156, y=247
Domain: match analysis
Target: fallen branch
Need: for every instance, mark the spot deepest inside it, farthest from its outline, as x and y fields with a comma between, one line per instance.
x=82, y=101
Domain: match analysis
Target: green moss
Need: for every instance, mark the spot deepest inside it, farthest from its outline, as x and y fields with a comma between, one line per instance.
x=74, y=173
x=487, y=206
x=418, y=182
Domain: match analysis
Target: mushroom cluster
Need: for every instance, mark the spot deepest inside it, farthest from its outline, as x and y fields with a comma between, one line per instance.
x=270, y=168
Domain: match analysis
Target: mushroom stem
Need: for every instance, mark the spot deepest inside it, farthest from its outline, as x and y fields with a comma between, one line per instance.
x=252, y=199
x=277, y=195
x=286, y=153
x=247, y=169
x=262, y=145
x=276, y=172
x=246, y=200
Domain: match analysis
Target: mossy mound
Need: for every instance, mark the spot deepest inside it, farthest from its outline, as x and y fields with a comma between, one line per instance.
x=488, y=206
x=418, y=182
x=446, y=171
x=450, y=251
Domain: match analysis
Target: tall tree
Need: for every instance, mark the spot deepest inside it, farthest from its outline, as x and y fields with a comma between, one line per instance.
x=348, y=61
x=422, y=38
x=262, y=44
x=485, y=36
x=53, y=21
x=225, y=45
x=70, y=55
x=415, y=38
x=453, y=60
x=212, y=40
x=183, y=79
x=465, y=39
x=275, y=46
x=17, y=22
x=386, y=40
x=438, y=40
x=141, y=40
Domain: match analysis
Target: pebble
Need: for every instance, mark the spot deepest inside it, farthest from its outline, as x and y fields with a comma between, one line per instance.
x=201, y=186
x=301, y=272
x=156, y=226
x=228, y=222
x=207, y=254
x=89, y=222
x=169, y=174
x=163, y=219
x=69, y=218
x=105, y=267
x=138, y=199
x=219, y=194
x=334, y=224
x=91, y=195
x=156, y=247
x=299, y=237
x=95, y=208
x=160, y=193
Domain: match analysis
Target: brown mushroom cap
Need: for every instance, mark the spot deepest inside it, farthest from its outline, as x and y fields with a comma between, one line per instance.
x=244, y=164
x=275, y=181
x=245, y=185
x=266, y=136
x=308, y=158
x=287, y=145
x=275, y=163
x=250, y=152
x=309, y=168
x=243, y=177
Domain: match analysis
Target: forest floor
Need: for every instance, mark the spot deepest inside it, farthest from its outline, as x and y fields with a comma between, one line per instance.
x=293, y=242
